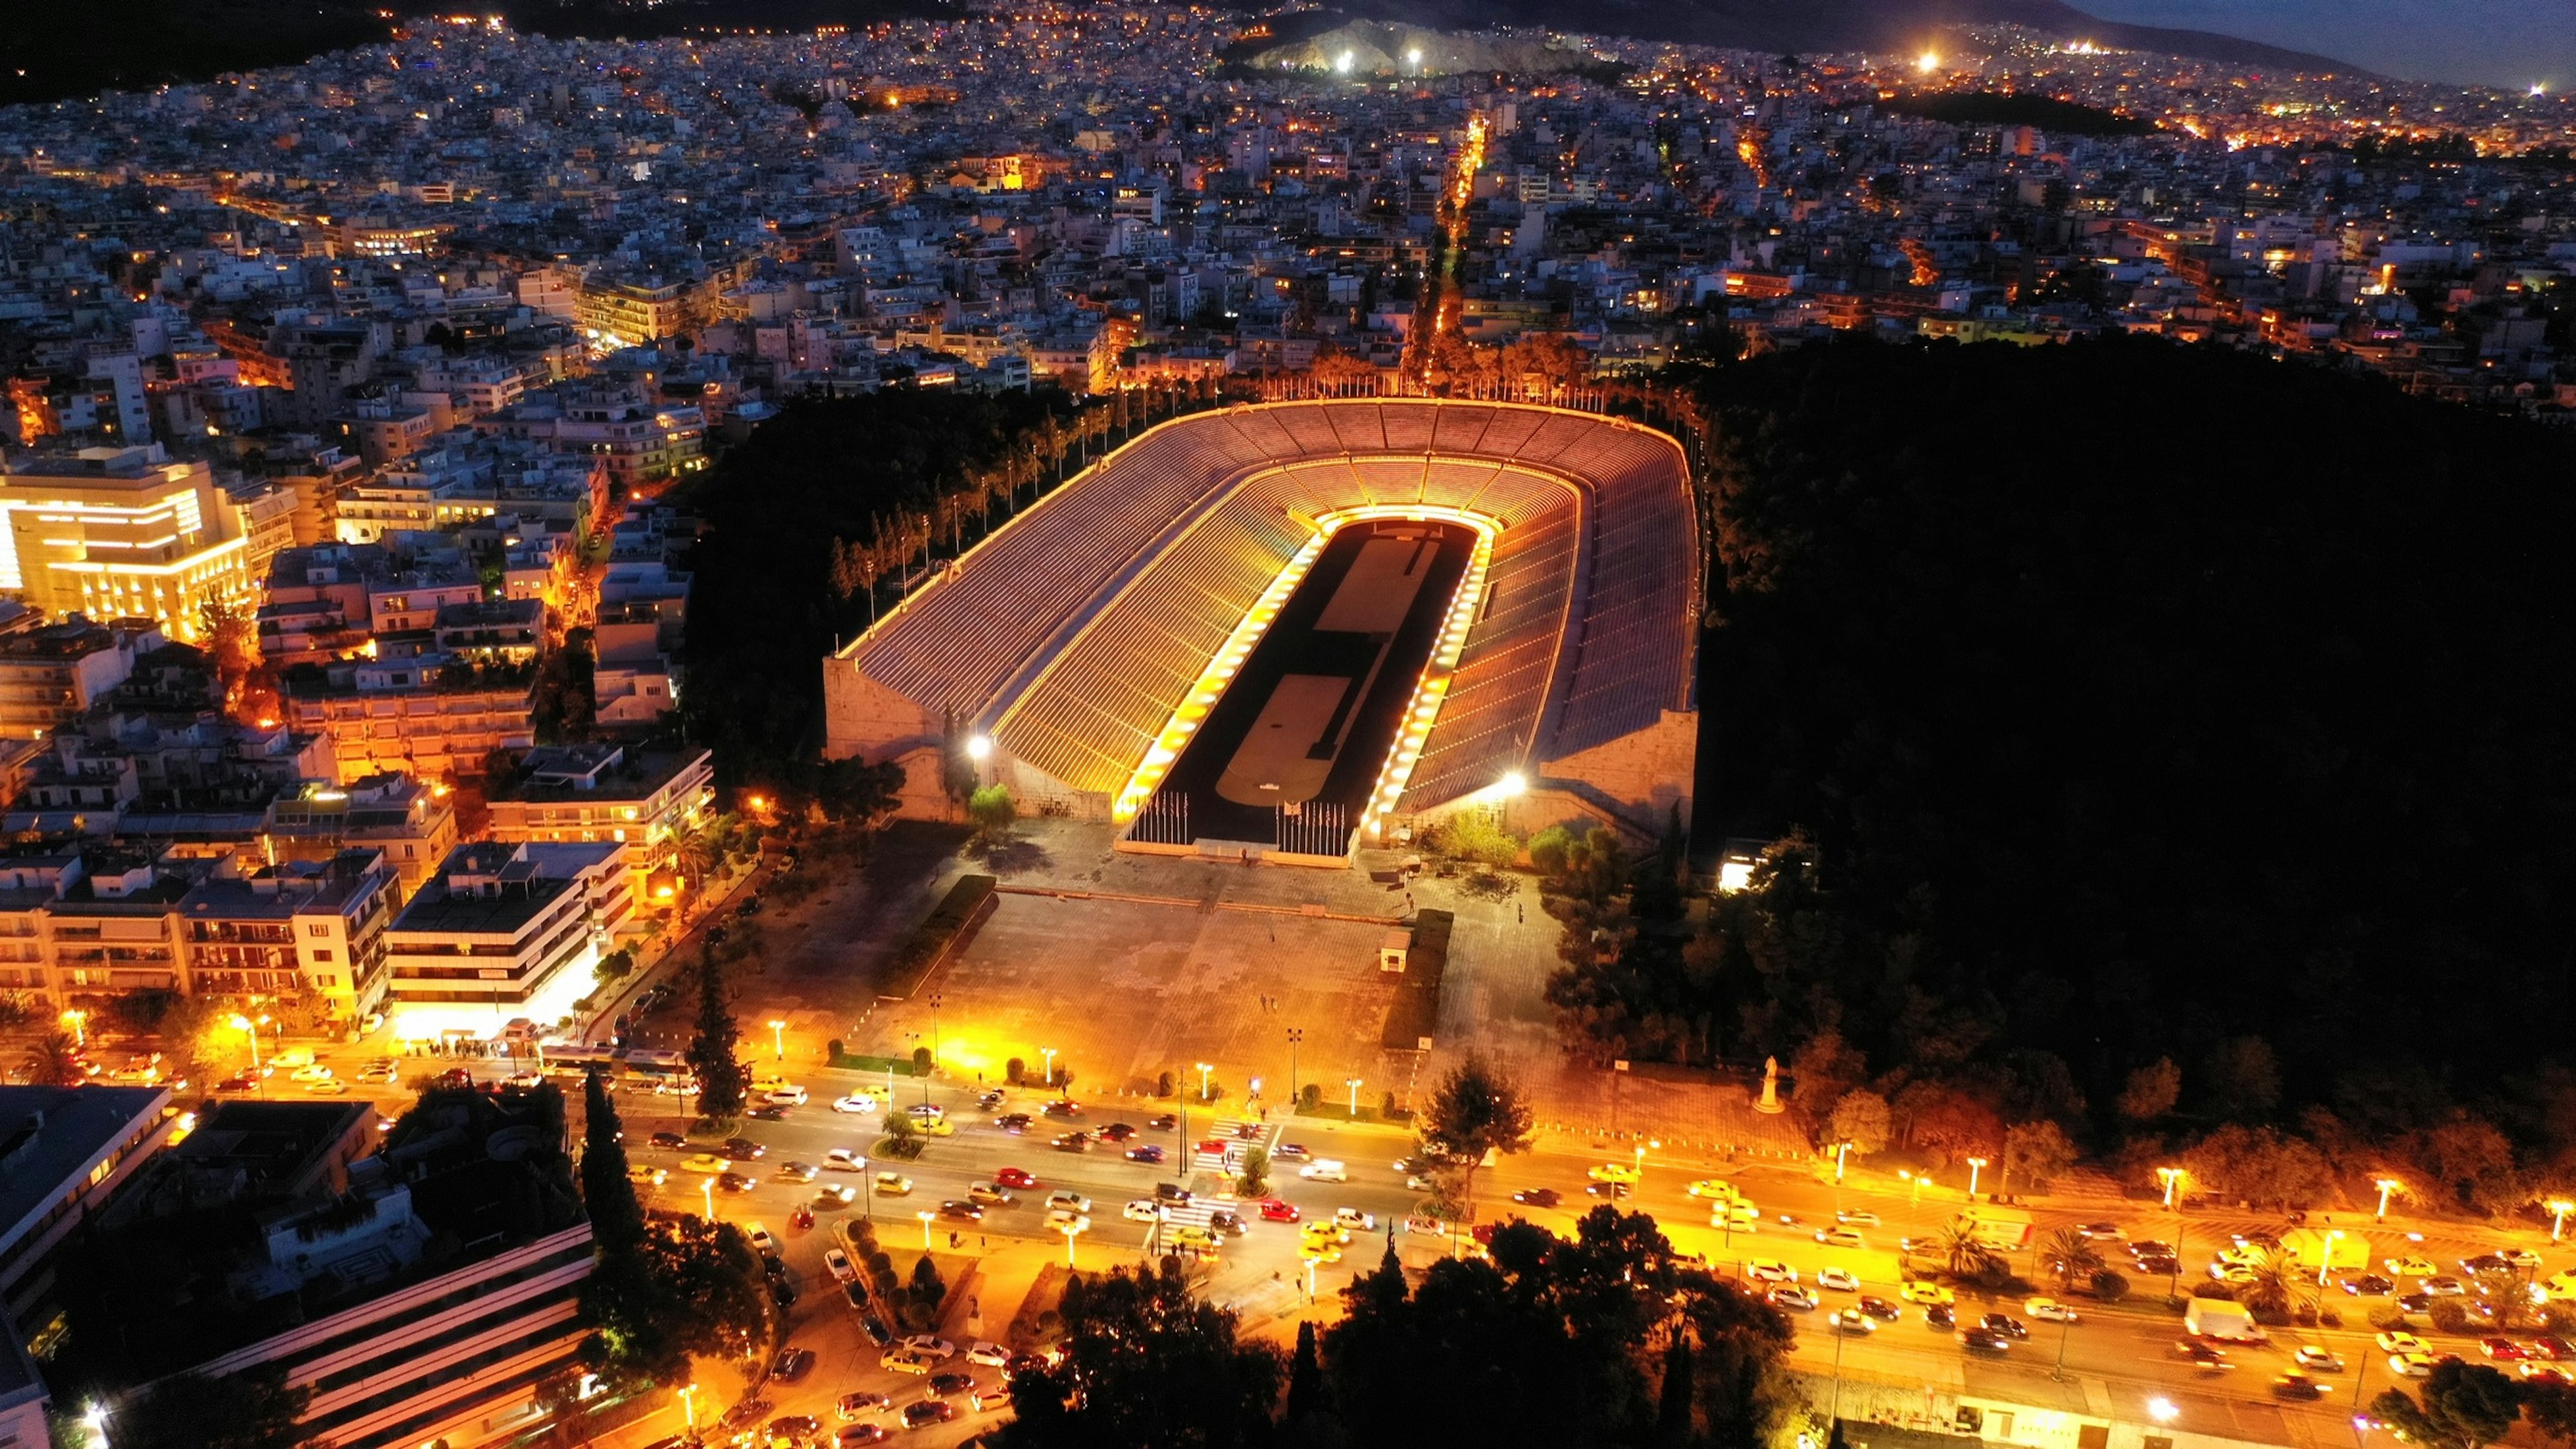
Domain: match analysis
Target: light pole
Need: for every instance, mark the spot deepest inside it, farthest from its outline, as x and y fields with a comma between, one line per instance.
x=1204, y=1069
x=1049, y=1054
x=707, y=1185
x=868, y=1187
x=2065, y=1326
x=1975, y=1166
x=979, y=749
x=1310, y=1282
x=1296, y=1034
x=78, y=1021
x=689, y=1403
x=2172, y=1178
x=2331, y=1235
x=925, y=1215
x=1842, y=1150
x=778, y=1038
x=934, y=1045
x=2559, y=1208
x=2387, y=1185
x=1070, y=1231
x=248, y=1028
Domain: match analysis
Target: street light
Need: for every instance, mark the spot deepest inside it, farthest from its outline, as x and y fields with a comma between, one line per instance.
x=2172, y=1178
x=2387, y=1185
x=934, y=1046
x=1354, y=1084
x=1204, y=1069
x=78, y=1021
x=1296, y=1034
x=1975, y=1165
x=707, y=1185
x=1842, y=1150
x=925, y=1215
x=248, y=1028
x=689, y=1403
x=1070, y=1231
x=2162, y=1410
x=1049, y=1054
x=1310, y=1282
x=778, y=1038
x=2559, y=1208
x=2331, y=1235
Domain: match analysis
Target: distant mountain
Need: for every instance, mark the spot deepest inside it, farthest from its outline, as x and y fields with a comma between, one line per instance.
x=1788, y=26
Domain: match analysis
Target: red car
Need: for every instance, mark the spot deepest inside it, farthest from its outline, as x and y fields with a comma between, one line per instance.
x=1014, y=1177
x=2503, y=1348
x=1215, y=1146
x=1275, y=1211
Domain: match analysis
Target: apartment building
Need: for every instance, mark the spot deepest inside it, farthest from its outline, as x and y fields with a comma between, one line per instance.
x=428, y=716
x=50, y=676
x=313, y=930
x=507, y=930
x=117, y=533
x=412, y=824
x=648, y=800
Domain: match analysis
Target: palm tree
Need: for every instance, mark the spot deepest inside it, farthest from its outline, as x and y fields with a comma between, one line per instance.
x=1963, y=1252
x=2071, y=1256
x=2268, y=1290
x=53, y=1060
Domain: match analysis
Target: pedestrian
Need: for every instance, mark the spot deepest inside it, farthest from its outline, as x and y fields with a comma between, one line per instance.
x=980, y=1244
x=953, y=1240
x=1521, y=911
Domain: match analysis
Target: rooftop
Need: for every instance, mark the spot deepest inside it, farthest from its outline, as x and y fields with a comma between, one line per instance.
x=51, y=1135
x=595, y=772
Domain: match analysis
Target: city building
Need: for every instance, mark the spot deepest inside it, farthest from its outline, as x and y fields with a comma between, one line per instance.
x=430, y=715
x=118, y=533
x=412, y=824
x=308, y=931
x=505, y=931
x=50, y=676
x=649, y=800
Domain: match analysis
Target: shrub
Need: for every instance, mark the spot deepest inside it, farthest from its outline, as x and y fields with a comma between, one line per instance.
x=2559, y=1319
x=2388, y=1315
x=2214, y=1290
x=921, y=1061
x=1015, y=1071
x=2448, y=1316
x=1162, y=1084
x=832, y=1050
x=1386, y=1106
x=2329, y=1318
x=2110, y=1287
x=1310, y=1097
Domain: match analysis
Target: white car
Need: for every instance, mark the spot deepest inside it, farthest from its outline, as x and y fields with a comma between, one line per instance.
x=931, y=1344
x=1770, y=1270
x=855, y=1102
x=762, y=1243
x=2318, y=1360
x=840, y=1266
x=2049, y=1309
x=925, y=1112
x=1143, y=1210
x=1352, y=1220
x=1852, y=1320
x=1857, y=1217
x=314, y=1073
x=2411, y=1365
x=1324, y=1169
x=1841, y=1280
x=1061, y=1220
x=842, y=1159
x=2397, y=1340
x=786, y=1097
x=1068, y=1201
x=1840, y=1238
x=990, y=1355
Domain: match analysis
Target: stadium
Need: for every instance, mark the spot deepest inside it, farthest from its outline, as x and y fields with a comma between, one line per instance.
x=1293, y=630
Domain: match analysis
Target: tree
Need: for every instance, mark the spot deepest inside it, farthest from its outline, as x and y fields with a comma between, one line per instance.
x=1475, y=1111
x=691, y=1287
x=253, y=1409
x=1823, y=1069
x=2035, y=1152
x=1256, y=1171
x=52, y=1060
x=2069, y=1255
x=2243, y=1079
x=1861, y=1119
x=2461, y=1406
x=1146, y=1365
x=711, y=1054
x=616, y=1218
x=992, y=811
x=2150, y=1092
x=1479, y=837
x=1959, y=1249
x=1549, y=850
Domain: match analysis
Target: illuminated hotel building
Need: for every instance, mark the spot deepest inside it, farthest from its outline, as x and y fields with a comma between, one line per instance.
x=120, y=533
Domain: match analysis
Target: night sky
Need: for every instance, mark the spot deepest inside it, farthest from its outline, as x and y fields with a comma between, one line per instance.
x=2500, y=42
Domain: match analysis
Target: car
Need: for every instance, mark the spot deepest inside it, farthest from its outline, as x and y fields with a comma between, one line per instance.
x=2315, y=1359
x=2414, y=1302
x=943, y=1385
x=1544, y=1197
x=855, y=1436
x=931, y=1344
x=1838, y=1278
x=385, y=1072
x=1923, y=1290
x=962, y=1211
x=1792, y=1297
x=987, y=1354
x=832, y=1196
x=926, y=1112
x=1324, y=1230
x=989, y=1194
x=844, y=1159
x=2005, y=1324
x=800, y=1218
x=326, y=1089
x=1717, y=1188
x=874, y=1327
x=2098, y=1232
x=761, y=1241
x=838, y=1264
x=1611, y=1190
x=2411, y=1365
x=706, y=1162
x=1324, y=1169
x=1014, y=1123
x=1290, y=1152
x=990, y=1099
x=1213, y=1147
x=2408, y=1267
x=855, y=1102
x=1770, y=1270
x=2503, y=1350
x=1065, y=1199
x=1148, y=1153
x=647, y=1176
x=743, y=1149
x=2398, y=1340
x=1192, y=1236
x=1735, y=1219
x=734, y=1182
x=2165, y=1266
x=1319, y=1250
x=2200, y=1353
x=1981, y=1341
x=2549, y=1346
x=2369, y=1285
x=1142, y=1210
x=1840, y=1238
x=2486, y=1263
x=314, y=1072
x=2521, y=1259
x=2049, y=1310
x=1941, y=1316
x=892, y=1184
x=794, y=1172
x=2150, y=1248
x=1030, y=1363
x=2444, y=1286
x=790, y=1365
x=671, y=1141
x=1278, y=1210
x=928, y=1412
x=1066, y=1220
x=2232, y=1273
x=1353, y=1220
x=2296, y=1386
x=1879, y=1308
x=1612, y=1172
x=238, y=1082
x=1857, y=1218
x=1121, y=1131
x=941, y=1128
x=859, y=1403
x=1014, y=1177
x=1076, y=1142
x=789, y=1096
x=1851, y=1320
x=1162, y=1122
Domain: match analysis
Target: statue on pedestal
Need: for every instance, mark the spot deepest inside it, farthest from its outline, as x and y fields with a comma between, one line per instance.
x=1770, y=1104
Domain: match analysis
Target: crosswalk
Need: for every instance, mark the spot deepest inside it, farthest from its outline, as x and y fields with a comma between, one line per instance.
x=1239, y=1136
